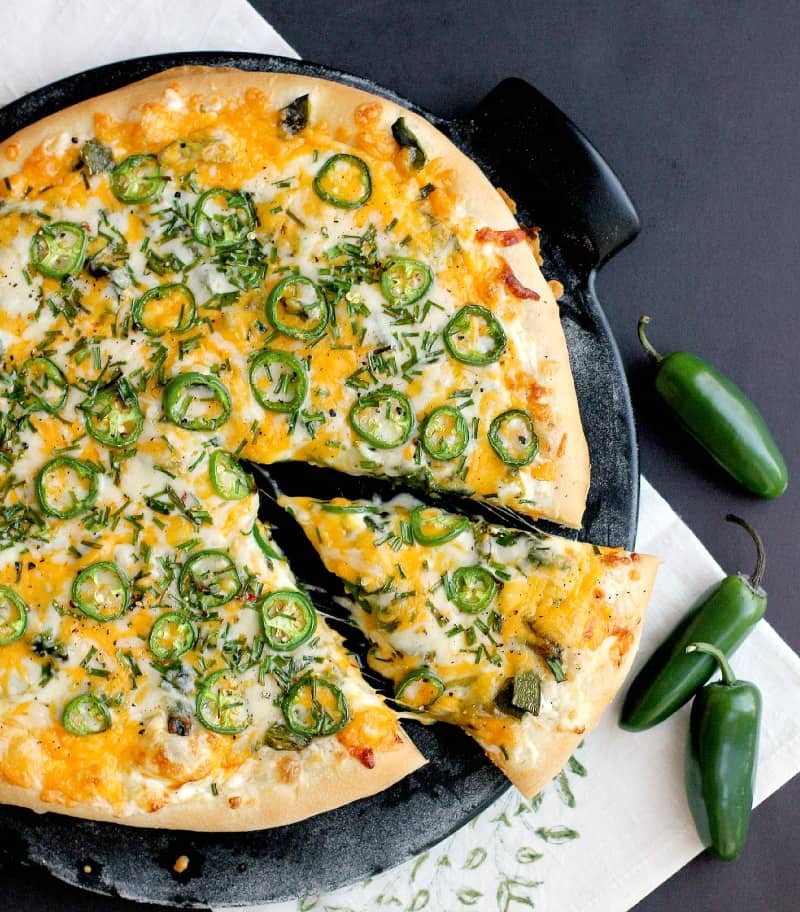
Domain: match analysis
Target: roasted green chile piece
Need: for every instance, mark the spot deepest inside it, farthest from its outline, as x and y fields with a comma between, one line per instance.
x=96, y=156
x=407, y=140
x=724, y=618
x=294, y=116
x=721, y=757
x=721, y=418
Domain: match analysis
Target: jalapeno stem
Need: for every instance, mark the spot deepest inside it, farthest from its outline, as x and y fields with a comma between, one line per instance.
x=728, y=677
x=656, y=356
x=757, y=575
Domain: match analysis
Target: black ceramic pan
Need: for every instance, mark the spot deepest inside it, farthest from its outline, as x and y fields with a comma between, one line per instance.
x=530, y=149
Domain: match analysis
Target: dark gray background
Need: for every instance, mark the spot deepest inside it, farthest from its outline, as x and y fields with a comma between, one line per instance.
x=697, y=107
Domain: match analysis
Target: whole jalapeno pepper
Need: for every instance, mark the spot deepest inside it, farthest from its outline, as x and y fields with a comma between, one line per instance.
x=724, y=618
x=721, y=756
x=721, y=419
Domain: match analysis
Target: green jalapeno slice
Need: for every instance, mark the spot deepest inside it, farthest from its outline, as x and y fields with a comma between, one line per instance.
x=102, y=591
x=431, y=526
x=228, y=478
x=66, y=487
x=268, y=547
x=278, y=380
x=297, y=308
x=288, y=619
x=165, y=308
x=113, y=415
x=512, y=437
x=13, y=616
x=344, y=181
x=314, y=707
x=445, y=433
x=197, y=402
x=474, y=336
x=471, y=588
x=209, y=579
x=220, y=704
x=223, y=218
x=46, y=383
x=171, y=636
x=86, y=715
x=384, y=418
x=419, y=689
x=137, y=179
x=58, y=250
x=404, y=281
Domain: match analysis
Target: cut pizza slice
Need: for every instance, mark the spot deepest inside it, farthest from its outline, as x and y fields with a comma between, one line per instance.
x=521, y=639
x=314, y=271
x=159, y=664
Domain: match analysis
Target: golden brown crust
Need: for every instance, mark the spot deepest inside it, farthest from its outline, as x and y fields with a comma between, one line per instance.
x=331, y=782
x=480, y=200
x=555, y=748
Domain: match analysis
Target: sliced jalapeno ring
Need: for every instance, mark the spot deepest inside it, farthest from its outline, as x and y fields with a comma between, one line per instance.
x=314, y=707
x=404, y=281
x=209, y=579
x=445, y=433
x=59, y=249
x=13, y=616
x=228, y=478
x=419, y=689
x=431, y=526
x=344, y=181
x=66, y=487
x=102, y=591
x=474, y=336
x=223, y=218
x=137, y=179
x=297, y=308
x=113, y=415
x=220, y=704
x=278, y=380
x=512, y=437
x=171, y=636
x=384, y=418
x=288, y=619
x=86, y=715
x=471, y=588
x=197, y=402
x=165, y=308
x=268, y=547
x=46, y=383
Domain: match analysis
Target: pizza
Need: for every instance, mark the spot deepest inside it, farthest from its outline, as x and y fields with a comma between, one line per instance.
x=205, y=267
x=519, y=638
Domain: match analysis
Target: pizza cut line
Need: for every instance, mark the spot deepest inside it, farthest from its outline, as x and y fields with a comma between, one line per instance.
x=213, y=265
x=520, y=638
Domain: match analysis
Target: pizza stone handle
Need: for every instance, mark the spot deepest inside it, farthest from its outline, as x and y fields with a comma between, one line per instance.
x=543, y=161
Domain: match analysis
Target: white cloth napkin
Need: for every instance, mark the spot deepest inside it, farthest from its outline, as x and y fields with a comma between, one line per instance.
x=615, y=824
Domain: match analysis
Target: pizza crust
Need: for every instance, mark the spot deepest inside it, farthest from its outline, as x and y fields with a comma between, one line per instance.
x=337, y=102
x=254, y=804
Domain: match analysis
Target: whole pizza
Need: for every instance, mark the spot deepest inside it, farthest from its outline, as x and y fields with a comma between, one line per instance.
x=213, y=266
